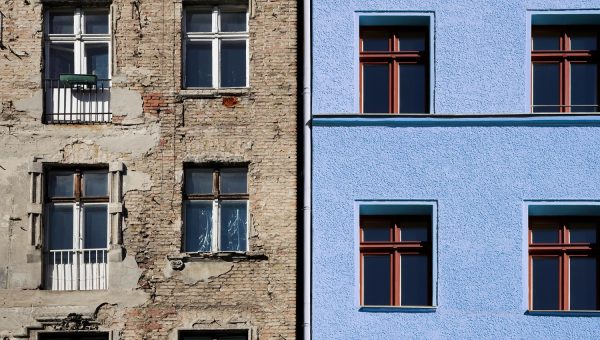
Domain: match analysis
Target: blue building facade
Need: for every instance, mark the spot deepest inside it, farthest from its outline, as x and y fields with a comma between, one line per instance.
x=467, y=209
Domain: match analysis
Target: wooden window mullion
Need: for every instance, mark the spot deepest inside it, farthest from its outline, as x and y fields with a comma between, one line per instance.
x=396, y=280
x=77, y=184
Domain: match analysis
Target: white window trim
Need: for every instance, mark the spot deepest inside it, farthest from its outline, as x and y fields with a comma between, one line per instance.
x=215, y=36
x=216, y=226
x=78, y=38
x=78, y=236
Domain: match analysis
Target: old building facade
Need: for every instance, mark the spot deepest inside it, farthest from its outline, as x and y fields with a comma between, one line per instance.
x=155, y=197
x=455, y=169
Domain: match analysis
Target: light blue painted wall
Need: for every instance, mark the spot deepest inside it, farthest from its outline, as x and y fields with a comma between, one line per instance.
x=480, y=172
x=481, y=177
x=481, y=51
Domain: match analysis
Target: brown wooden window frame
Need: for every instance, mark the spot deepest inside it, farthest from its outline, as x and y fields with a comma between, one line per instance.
x=564, y=249
x=564, y=57
x=395, y=248
x=393, y=58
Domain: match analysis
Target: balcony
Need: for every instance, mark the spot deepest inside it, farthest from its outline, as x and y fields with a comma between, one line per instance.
x=76, y=269
x=77, y=99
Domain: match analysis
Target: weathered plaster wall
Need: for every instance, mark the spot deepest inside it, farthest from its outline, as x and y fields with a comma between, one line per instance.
x=156, y=127
x=481, y=51
x=480, y=176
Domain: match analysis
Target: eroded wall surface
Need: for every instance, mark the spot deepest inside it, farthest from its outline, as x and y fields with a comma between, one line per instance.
x=156, y=127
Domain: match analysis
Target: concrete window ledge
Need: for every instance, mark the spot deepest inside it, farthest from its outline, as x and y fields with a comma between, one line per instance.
x=397, y=309
x=564, y=313
x=220, y=256
x=214, y=93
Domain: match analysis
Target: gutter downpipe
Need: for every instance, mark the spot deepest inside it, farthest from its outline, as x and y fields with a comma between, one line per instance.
x=307, y=169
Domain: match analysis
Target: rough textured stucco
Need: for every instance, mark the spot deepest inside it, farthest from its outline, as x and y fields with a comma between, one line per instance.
x=481, y=51
x=480, y=177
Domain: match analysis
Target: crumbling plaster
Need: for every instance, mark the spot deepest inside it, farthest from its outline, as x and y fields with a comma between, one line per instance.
x=155, y=130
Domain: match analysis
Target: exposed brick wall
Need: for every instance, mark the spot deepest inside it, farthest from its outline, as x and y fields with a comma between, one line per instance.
x=257, y=127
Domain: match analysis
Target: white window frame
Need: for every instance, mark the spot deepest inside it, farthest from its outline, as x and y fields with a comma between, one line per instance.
x=78, y=38
x=78, y=237
x=215, y=36
x=215, y=245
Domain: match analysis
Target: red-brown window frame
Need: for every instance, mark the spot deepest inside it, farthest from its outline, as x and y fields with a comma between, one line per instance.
x=393, y=57
x=563, y=250
x=395, y=248
x=565, y=56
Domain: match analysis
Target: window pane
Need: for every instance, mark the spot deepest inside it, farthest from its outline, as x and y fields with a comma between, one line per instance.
x=375, y=41
x=545, y=235
x=198, y=226
x=233, y=63
x=412, y=88
x=376, y=88
x=414, y=230
x=546, y=87
x=61, y=60
x=61, y=227
x=197, y=337
x=411, y=42
x=233, y=21
x=60, y=185
x=545, y=283
x=414, y=280
x=234, y=216
x=582, y=41
x=583, y=283
x=198, y=64
x=584, y=87
x=97, y=60
x=95, y=223
x=376, y=280
x=61, y=23
x=233, y=337
x=582, y=232
x=376, y=230
x=198, y=21
x=234, y=181
x=198, y=181
x=96, y=23
x=95, y=184
x=546, y=42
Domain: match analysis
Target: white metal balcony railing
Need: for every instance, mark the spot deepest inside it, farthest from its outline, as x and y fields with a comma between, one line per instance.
x=76, y=269
x=80, y=101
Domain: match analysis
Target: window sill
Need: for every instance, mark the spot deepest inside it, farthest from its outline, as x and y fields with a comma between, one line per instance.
x=564, y=313
x=227, y=256
x=398, y=309
x=214, y=93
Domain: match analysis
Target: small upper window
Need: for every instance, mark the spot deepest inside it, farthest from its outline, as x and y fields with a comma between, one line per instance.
x=215, y=47
x=564, y=68
x=394, y=69
x=216, y=209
